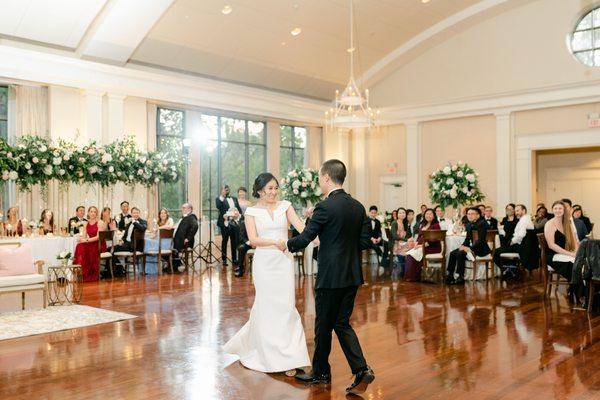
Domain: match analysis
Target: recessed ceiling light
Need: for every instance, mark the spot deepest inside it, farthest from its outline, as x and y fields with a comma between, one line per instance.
x=350, y=49
x=296, y=31
x=283, y=43
x=227, y=9
x=187, y=17
x=425, y=1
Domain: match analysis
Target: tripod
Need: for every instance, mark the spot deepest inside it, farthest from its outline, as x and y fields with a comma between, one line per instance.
x=210, y=252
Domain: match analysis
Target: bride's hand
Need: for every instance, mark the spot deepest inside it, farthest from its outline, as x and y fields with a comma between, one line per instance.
x=281, y=245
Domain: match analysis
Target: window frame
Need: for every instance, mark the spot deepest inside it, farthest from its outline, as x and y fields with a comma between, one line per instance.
x=295, y=149
x=570, y=37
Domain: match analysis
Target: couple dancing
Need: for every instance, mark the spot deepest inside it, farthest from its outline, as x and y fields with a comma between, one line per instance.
x=273, y=338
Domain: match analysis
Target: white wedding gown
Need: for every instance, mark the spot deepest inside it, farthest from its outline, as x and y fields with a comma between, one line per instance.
x=273, y=338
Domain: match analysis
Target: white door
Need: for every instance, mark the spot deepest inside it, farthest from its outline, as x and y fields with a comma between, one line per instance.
x=583, y=190
x=394, y=196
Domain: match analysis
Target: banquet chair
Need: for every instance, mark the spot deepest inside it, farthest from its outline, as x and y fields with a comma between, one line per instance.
x=106, y=256
x=248, y=258
x=547, y=271
x=435, y=236
x=163, y=234
x=487, y=260
x=299, y=258
x=134, y=254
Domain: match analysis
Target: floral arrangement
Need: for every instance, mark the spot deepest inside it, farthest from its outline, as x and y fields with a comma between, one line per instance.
x=301, y=187
x=64, y=255
x=455, y=185
x=36, y=160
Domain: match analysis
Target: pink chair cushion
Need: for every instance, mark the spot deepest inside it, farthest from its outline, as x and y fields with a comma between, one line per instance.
x=17, y=261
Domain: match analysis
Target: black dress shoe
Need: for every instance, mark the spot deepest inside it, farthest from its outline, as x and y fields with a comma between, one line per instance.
x=459, y=281
x=449, y=281
x=312, y=379
x=361, y=381
x=239, y=273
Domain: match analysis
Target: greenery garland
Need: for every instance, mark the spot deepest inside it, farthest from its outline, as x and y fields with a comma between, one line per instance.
x=36, y=160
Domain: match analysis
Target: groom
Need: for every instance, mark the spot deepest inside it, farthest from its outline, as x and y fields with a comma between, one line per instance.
x=341, y=224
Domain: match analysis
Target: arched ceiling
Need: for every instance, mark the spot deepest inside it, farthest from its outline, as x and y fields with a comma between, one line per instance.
x=251, y=45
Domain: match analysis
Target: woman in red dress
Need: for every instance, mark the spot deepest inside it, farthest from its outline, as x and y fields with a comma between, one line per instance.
x=87, y=253
x=413, y=267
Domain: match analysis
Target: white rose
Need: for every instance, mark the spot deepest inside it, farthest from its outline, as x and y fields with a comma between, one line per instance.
x=296, y=184
x=295, y=191
x=93, y=169
x=436, y=186
x=13, y=175
x=111, y=169
x=121, y=158
x=9, y=155
x=71, y=167
x=165, y=162
x=460, y=162
x=174, y=175
x=119, y=173
x=90, y=151
x=140, y=171
x=106, y=158
x=130, y=177
x=470, y=177
x=450, y=181
x=56, y=160
x=66, y=157
x=453, y=194
x=303, y=195
x=35, y=160
x=447, y=170
x=48, y=170
x=81, y=159
x=80, y=174
x=454, y=168
x=460, y=174
x=309, y=176
x=304, y=184
x=4, y=175
x=464, y=190
x=318, y=192
x=30, y=172
x=61, y=172
x=43, y=148
x=156, y=180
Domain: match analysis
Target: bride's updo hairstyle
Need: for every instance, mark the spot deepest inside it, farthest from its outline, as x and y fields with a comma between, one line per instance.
x=261, y=181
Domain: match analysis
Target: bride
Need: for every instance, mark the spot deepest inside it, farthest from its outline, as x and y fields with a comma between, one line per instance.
x=273, y=338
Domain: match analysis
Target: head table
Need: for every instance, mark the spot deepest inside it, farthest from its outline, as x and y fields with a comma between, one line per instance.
x=46, y=248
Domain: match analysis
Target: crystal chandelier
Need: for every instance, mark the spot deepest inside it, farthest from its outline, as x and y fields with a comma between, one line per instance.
x=351, y=110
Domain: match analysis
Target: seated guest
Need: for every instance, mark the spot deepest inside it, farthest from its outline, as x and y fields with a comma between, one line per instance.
x=562, y=240
x=478, y=248
x=441, y=218
x=75, y=224
x=124, y=218
x=420, y=215
x=399, y=238
x=86, y=251
x=243, y=199
x=394, y=215
x=374, y=230
x=509, y=223
x=482, y=208
x=47, y=222
x=185, y=231
x=413, y=224
x=136, y=224
x=106, y=217
x=13, y=225
x=549, y=215
x=578, y=214
x=580, y=228
x=514, y=246
x=541, y=217
x=489, y=219
x=164, y=220
x=413, y=267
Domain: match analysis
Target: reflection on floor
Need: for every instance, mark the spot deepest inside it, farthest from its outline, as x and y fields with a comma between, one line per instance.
x=424, y=341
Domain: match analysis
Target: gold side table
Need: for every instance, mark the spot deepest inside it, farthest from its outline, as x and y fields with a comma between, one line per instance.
x=64, y=284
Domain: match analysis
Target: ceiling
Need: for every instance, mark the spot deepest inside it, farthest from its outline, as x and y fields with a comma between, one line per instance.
x=252, y=45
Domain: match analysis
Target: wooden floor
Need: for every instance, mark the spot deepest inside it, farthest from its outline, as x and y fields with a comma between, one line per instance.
x=494, y=341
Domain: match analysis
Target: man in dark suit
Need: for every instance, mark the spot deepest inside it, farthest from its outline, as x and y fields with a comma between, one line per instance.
x=124, y=218
x=341, y=224
x=242, y=249
x=185, y=231
x=374, y=229
x=489, y=219
x=76, y=222
x=136, y=224
x=470, y=248
x=228, y=222
x=420, y=215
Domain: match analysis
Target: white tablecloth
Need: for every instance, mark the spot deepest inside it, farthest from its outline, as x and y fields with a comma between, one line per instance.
x=46, y=248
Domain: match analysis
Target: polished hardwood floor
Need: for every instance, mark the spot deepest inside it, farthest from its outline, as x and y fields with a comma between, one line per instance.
x=481, y=341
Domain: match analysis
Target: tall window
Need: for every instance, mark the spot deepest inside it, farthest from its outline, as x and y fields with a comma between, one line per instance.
x=3, y=135
x=293, y=146
x=170, y=130
x=239, y=155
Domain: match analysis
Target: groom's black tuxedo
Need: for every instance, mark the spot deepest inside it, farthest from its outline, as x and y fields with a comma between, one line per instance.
x=342, y=226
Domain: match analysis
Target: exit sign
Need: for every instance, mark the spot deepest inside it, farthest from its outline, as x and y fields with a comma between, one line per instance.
x=593, y=120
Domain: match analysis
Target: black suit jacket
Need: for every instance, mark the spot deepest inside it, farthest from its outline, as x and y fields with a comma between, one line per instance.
x=480, y=247
x=140, y=226
x=186, y=229
x=75, y=220
x=342, y=225
x=374, y=232
x=121, y=226
x=223, y=207
x=492, y=223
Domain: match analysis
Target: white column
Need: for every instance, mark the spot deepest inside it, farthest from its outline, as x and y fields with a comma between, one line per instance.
x=92, y=114
x=413, y=164
x=524, y=169
x=273, y=143
x=115, y=116
x=503, y=160
x=314, y=147
x=359, y=165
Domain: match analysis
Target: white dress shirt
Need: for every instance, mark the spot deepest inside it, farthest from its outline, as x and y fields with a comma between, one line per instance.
x=521, y=229
x=130, y=230
x=443, y=223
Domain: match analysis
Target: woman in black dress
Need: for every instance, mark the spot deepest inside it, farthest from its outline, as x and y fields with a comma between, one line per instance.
x=562, y=241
